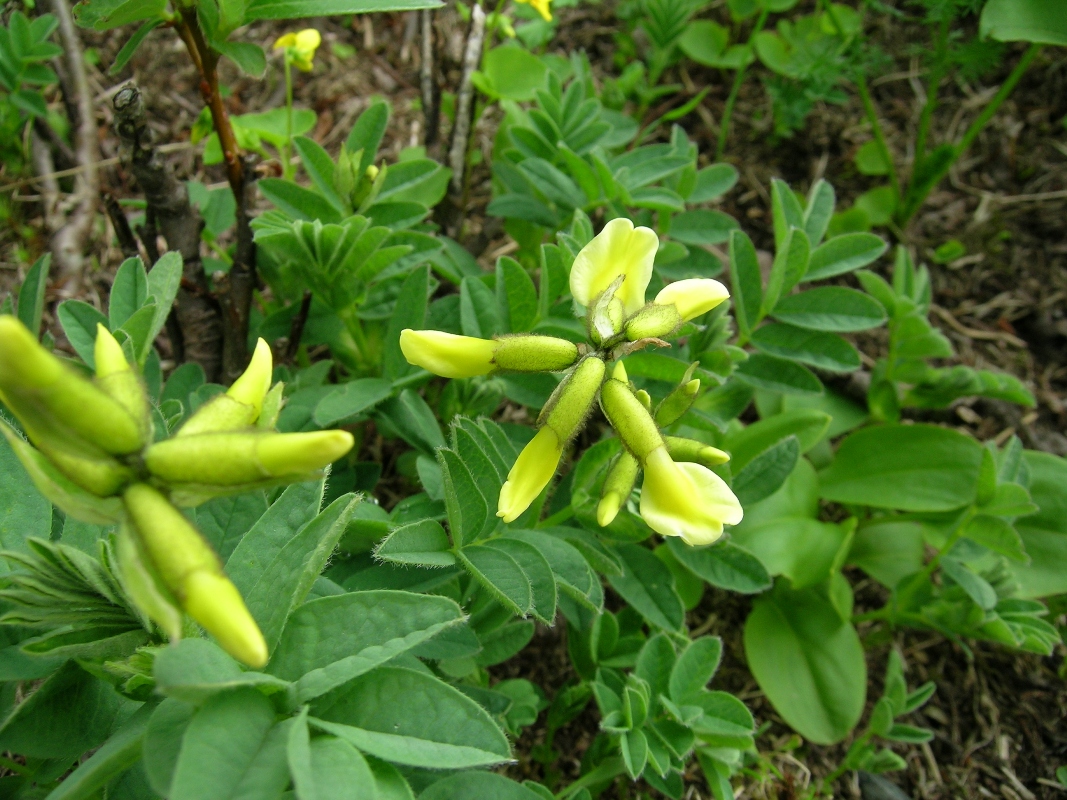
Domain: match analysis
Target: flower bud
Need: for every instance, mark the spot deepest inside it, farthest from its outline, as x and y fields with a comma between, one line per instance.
x=531, y=353
x=686, y=500
x=618, y=484
x=60, y=399
x=569, y=407
x=117, y=379
x=653, y=322
x=447, y=354
x=240, y=405
x=682, y=449
x=630, y=419
x=144, y=586
x=189, y=568
x=606, y=314
x=692, y=296
x=645, y=398
x=235, y=459
x=532, y=471
x=673, y=406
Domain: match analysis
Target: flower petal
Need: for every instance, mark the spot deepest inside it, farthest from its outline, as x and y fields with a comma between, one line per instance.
x=447, y=354
x=532, y=471
x=619, y=249
x=686, y=500
x=693, y=296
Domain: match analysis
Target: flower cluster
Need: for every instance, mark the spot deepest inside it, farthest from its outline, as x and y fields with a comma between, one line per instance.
x=95, y=455
x=680, y=495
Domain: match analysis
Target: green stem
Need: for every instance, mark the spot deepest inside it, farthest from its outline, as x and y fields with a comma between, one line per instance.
x=611, y=768
x=905, y=595
x=735, y=88
x=363, y=362
x=287, y=169
x=916, y=200
x=558, y=518
x=937, y=72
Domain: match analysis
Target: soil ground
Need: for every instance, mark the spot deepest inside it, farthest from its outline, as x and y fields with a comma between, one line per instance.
x=999, y=718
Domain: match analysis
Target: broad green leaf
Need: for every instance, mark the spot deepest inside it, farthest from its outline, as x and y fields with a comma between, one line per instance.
x=808, y=662
x=478, y=786
x=998, y=535
x=775, y=374
x=516, y=295
x=220, y=753
x=648, y=586
x=298, y=202
x=501, y=574
x=694, y=668
x=724, y=565
x=163, y=742
x=79, y=321
x=479, y=314
x=331, y=640
x=319, y=167
x=807, y=424
x=712, y=182
x=820, y=349
x=702, y=226
x=504, y=642
x=338, y=771
x=23, y=511
x=830, y=308
x=888, y=551
x=423, y=543
x=762, y=476
x=194, y=670
x=345, y=402
x=70, y=713
x=410, y=717
x=804, y=550
x=538, y=572
x=573, y=574
x=1045, y=533
x=468, y=512
x=512, y=73
x=31, y=294
x=412, y=420
x=132, y=44
x=164, y=280
x=104, y=14
x=118, y=754
x=366, y=135
x=1041, y=21
x=843, y=254
x=906, y=467
x=745, y=282
x=790, y=264
x=410, y=313
x=976, y=587
x=786, y=212
x=820, y=210
x=225, y=520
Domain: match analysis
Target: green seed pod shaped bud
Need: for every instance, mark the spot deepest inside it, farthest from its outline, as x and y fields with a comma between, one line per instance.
x=575, y=398
x=533, y=353
x=240, y=405
x=645, y=398
x=30, y=376
x=653, y=322
x=630, y=419
x=144, y=586
x=272, y=407
x=618, y=484
x=674, y=405
x=190, y=569
x=118, y=379
x=235, y=459
x=681, y=449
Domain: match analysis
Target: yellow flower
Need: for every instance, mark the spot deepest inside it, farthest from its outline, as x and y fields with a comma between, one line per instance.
x=693, y=296
x=447, y=354
x=300, y=47
x=686, y=500
x=532, y=471
x=543, y=8
x=620, y=250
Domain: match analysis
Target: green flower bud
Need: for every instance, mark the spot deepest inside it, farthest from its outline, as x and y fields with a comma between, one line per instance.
x=234, y=459
x=144, y=586
x=272, y=407
x=530, y=353
x=681, y=449
x=119, y=381
x=630, y=419
x=618, y=484
x=674, y=405
x=190, y=569
x=606, y=314
x=30, y=376
x=240, y=405
x=653, y=322
x=574, y=398
x=645, y=398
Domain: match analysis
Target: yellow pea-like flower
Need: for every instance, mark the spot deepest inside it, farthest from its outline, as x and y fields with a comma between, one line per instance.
x=692, y=296
x=619, y=250
x=300, y=47
x=686, y=500
x=543, y=7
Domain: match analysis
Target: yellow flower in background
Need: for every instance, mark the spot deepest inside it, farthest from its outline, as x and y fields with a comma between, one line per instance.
x=300, y=47
x=620, y=250
x=692, y=296
x=686, y=500
x=543, y=7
